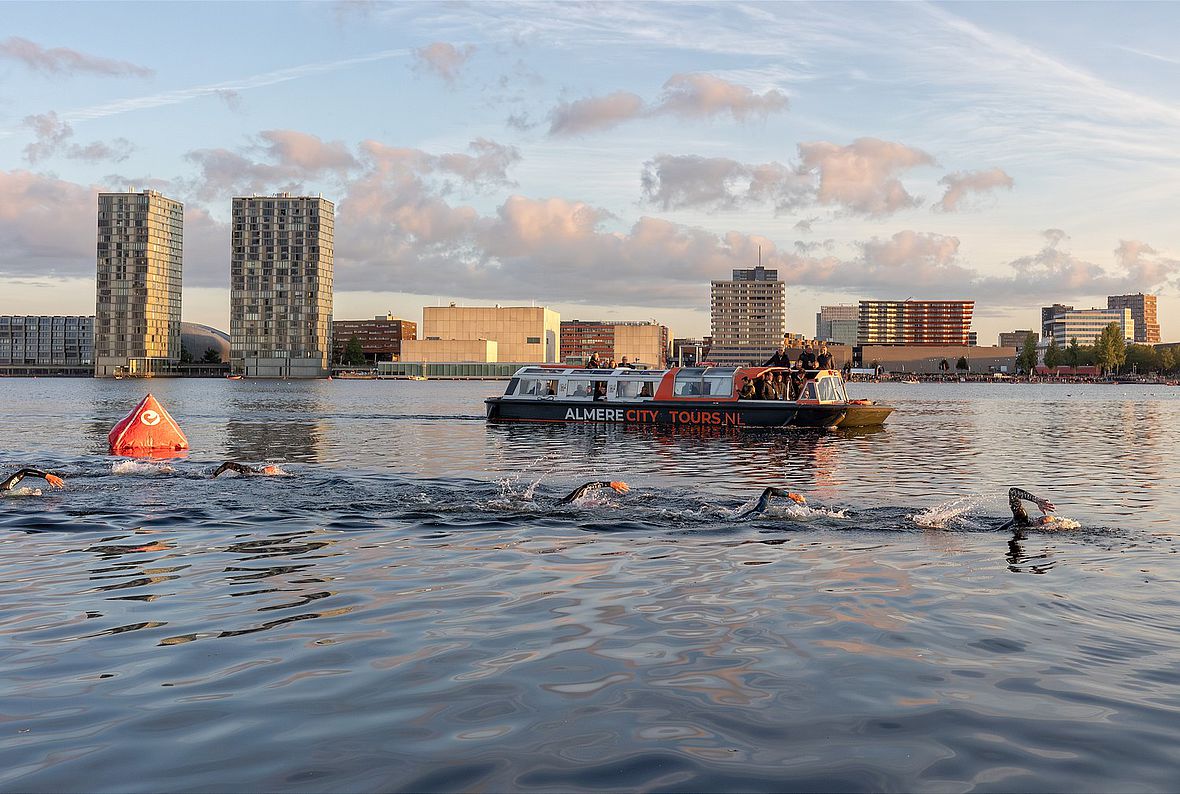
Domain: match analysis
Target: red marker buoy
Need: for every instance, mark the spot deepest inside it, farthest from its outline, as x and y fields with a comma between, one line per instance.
x=147, y=430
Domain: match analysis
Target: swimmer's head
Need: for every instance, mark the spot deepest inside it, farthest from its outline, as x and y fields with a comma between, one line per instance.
x=55, y=481
x=620, y=486
x=1043, y=521
x=798, y=499
x=271, y=470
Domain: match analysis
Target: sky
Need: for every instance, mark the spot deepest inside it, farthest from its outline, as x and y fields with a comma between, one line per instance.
x=609, y=159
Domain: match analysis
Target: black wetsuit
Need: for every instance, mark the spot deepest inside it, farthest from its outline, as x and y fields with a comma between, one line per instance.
x=1019, y=516
x=240, y=468
x=15, y=479
x=581, y=490
x=764, y=501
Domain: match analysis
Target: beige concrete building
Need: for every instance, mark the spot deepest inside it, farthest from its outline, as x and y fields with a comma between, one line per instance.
x=450, y=350
x=137, y=309
x=281, y=268
x=749, y=316
x=642, y=343
x=928, y=359
x=525, y=334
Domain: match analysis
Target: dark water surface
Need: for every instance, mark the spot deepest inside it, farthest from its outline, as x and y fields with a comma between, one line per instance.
x=409, y=611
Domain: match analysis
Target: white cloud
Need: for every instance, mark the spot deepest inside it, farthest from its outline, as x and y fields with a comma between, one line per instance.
x=64, y=61
x=443, y=59
x=52, y=138
x=961, y=183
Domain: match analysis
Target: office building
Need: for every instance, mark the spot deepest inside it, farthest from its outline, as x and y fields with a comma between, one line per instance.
x=137, y=301
x=1016, y=338
x=1143, y=313
x=1047, y=315
x=837, y=323
x=1086, y=325
x=281, y=266
x=641, y=342
x=523, y=334
x=46, y=345
x=749, y=316
x=380, y=338
x=914, y=322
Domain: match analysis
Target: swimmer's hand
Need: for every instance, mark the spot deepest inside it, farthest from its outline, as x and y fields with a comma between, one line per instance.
x=55, y=481
x=1045, y=505
x=798, y=499
x=620, y=486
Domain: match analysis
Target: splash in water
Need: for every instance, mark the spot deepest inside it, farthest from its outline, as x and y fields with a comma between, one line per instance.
x=142, y=468
x=22, y=491
x=942, y=515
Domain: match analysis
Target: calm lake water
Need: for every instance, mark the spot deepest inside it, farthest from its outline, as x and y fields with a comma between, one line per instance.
x=410, y=611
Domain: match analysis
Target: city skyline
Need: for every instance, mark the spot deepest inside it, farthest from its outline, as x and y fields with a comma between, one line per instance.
x=612, y=162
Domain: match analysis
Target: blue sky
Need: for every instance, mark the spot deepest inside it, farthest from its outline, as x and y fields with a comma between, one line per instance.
x=609, y=159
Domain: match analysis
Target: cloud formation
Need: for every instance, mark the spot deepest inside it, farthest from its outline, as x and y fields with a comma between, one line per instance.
x=860, y=178
x=960, y=183
x=63, y=61
x=690, y=96
x=52, y=138
x=443, y=59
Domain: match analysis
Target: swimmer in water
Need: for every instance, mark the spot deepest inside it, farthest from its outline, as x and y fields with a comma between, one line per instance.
x=767, y=495
x=53, y=480
x=1020, y=518
x=244, y=470
x=618, y=486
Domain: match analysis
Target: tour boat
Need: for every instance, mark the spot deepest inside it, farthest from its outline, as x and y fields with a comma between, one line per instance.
x=693, y=396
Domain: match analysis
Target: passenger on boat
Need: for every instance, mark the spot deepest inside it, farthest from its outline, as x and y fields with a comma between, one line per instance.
x=747, y=390
x=625, y=363
x=1019, y=517
x=767, y=495
x=600, y=390
x=796, y=383
x=53, y=480
x=780, y=358
x=646, y=389
x=824, y=360
x=244, y=470
x=593, y=362
x=807, y=357
x=617, y=485
x=780, y=386
x=763, y=389
x=610, y=363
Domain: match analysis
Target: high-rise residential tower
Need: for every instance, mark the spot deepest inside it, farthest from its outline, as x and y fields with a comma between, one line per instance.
x=1143, y=313
x=915, y=322
x=280, y=306
x=749, y=316
x=137, y=308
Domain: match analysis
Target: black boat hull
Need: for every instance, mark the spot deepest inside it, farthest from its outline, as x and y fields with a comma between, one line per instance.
x=742, y=413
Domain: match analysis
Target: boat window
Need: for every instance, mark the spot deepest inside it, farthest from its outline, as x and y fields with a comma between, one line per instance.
x=648, y=389
x=577, y=388
x=827, y=390
x=808, y=391
x=512, y=384
x=719, y=386
x=841, y=395
x=633, y=389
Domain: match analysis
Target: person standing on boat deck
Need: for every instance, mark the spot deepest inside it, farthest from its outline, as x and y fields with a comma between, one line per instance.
x=747, y=390
x=1019, y=517
x=593, y=362
x=610, y=363
x=807, y=357
x=779, y=359
x=824, y=360
x=626, y=364
x=14, y=479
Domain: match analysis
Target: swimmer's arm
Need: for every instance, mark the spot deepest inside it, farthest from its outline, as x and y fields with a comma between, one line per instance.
x=1016, y=494
x=14, y=480
x=767, y=495
x=230, y=465
x=577, y=493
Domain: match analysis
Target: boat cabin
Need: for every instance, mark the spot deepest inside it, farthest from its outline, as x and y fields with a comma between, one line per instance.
x=684, y=384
